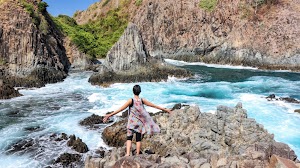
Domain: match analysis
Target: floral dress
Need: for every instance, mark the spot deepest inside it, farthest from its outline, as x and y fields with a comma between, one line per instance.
x=139, y=120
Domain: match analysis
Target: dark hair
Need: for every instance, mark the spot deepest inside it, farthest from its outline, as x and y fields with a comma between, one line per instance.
x=136, y=90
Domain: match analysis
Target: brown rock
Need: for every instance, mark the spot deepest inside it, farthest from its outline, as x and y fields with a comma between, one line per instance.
x=236, y=32
x=279, y=162
x=31, y=49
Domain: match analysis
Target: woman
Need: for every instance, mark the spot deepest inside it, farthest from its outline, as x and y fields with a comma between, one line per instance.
x=139, y=120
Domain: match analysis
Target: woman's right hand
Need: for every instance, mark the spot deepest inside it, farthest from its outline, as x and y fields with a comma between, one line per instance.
x=106, y=118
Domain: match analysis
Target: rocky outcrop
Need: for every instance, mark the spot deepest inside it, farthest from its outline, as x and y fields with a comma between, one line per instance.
x=31, y=47
x=128, y=61
x=242, y=32
x=286, y=99
x=51, y=149
x=190, y=138
x=129, y=52
x=7, y=91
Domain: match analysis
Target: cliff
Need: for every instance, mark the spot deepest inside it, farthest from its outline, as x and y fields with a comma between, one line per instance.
x=128, y=61
x=190, y=138
x=31, y=47
x=249, y=33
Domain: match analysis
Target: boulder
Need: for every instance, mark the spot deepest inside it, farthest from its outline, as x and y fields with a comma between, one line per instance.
x=93, y=121
x=77, y=144
x=279, y=162
x=68, y=160
x=7, y=91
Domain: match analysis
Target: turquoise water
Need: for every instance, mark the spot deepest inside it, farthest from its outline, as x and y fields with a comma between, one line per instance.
x=59, y=107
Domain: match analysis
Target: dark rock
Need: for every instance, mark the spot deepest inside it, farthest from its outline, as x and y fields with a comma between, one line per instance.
x=93, y=121
x=147, y=73
x=22, y=146
x=7, y=91
x=289, y=100
x=177, y=106
x=109, y=135
x=297, y=110
x=77, y=144
x=271, y=96
x=33, y=128
x=66, y=159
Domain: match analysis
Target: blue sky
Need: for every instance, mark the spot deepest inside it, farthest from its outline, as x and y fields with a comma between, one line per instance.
x=67, y=7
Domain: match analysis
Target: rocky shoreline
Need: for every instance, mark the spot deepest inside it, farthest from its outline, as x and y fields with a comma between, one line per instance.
x=190, y=138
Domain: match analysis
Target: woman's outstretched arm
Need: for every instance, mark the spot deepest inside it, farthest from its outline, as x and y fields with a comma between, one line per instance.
x=146, y=102
x=129, y=101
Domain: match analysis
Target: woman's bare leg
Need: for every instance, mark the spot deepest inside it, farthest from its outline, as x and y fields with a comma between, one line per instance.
x=138, y=147
x=128, y=147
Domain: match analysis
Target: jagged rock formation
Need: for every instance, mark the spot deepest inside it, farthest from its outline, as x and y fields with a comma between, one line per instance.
x=128, y=52
x=31, y=47
x=128, y=61
x=235, y=33
x=190, y=138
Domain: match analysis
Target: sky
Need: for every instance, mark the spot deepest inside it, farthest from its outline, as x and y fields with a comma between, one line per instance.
x=67, y=7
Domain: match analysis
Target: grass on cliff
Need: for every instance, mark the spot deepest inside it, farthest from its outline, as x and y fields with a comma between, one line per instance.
x=208, y=5
x=97, y=37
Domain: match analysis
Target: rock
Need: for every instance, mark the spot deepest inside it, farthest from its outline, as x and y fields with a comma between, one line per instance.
x=67, y=159
x=271, y=96
x=146, y=73
x=280, y=162
x=77, y=144
x=226, y=138
x=286, y=99
x=226, y=35
x=7, y=91
x=177, y=106
x=128, y=61
x=297, y=110
x=128, y=52
x=93, y=121
x=205, y=165
x=31, y=52
x=34, y=128
x=21, y=146
x=289, y=100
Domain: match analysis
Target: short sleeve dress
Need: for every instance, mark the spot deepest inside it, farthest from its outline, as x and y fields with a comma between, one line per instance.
x=139, y=120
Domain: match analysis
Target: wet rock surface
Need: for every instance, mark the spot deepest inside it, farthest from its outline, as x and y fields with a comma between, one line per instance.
x=60, y=150
x=93, y=121
x=190, y=138
x=286, y=99
x=77, y=144
x=7, y=91
x=68, y=160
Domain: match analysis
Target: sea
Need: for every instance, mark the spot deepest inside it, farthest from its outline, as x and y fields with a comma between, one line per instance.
x=58, y=108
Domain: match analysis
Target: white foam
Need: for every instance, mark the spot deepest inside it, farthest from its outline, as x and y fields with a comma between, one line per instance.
x=182, y=63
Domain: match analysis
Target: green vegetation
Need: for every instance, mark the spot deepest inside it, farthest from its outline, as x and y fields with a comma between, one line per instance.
x=2, y=61
x=96, y=37
x=138, y=2
x=42, y=7
x=208, y=5
x=37, y=18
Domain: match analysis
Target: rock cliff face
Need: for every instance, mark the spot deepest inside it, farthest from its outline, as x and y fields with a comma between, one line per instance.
x=129, y=52
x=31, y=47
x=235, y=32
x=129, y=61
x=190, y=138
